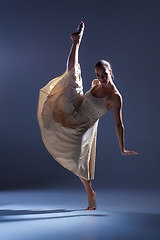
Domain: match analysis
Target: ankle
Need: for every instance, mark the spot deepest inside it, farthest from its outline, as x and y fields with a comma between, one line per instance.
x=76, y=43
x=91, y=192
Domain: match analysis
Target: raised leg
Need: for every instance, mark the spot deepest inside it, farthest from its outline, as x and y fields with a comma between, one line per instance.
x=90, y=194
x=76, y=39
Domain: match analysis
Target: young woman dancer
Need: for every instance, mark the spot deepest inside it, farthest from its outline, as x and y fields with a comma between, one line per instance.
x=68, y=119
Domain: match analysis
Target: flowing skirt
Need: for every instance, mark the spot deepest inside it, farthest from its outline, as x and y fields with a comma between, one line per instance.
x=65, y=129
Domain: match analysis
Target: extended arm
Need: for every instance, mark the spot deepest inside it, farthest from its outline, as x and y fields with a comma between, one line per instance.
x=119, y=127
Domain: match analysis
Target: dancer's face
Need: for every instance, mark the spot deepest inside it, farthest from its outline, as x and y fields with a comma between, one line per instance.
x=103, y=74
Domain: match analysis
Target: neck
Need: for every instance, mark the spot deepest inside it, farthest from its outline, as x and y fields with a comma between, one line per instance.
x=110, y=87
x=107, y=86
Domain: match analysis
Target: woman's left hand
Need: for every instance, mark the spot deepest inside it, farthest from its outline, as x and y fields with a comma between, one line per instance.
x=126, y=152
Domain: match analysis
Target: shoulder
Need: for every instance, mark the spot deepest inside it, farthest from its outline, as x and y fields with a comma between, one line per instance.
x=95, y=82
x=116, y=99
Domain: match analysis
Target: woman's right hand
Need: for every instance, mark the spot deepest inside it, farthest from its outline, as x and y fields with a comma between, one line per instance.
x=126, y=152
x=77, y=36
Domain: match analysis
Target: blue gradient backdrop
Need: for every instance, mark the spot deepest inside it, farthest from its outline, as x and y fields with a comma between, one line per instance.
x=34, y=45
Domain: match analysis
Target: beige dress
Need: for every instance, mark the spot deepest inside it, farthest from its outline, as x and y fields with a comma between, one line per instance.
x=68, y=120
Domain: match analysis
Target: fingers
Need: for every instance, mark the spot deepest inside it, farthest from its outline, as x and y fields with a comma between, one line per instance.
x=129, y=153
x=135, y=153
x=132, y=153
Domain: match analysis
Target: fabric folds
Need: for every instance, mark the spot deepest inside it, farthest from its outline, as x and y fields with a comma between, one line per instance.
x=68, y=127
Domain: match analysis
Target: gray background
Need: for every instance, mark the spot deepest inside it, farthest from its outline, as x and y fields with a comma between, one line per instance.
x=34, y=45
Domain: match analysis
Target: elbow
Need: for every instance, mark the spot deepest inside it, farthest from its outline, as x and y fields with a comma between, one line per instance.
x=119, y=125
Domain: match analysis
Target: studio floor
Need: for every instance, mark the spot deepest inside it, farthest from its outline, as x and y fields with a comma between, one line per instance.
x=48, y=214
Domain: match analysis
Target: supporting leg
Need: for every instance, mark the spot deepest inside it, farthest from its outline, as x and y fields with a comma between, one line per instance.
x=91, y=194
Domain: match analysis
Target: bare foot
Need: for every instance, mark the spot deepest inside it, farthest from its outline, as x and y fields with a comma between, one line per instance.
x=92, y=201
x=77, y=36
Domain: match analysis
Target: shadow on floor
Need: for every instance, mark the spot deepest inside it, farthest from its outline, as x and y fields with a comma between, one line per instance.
x=5, y=215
